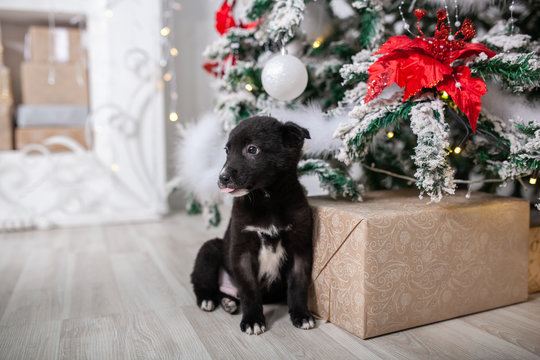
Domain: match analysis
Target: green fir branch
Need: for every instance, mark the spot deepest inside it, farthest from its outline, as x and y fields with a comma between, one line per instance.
x=527, y=158
x=213, y=216
x=354, y=78
x=359, y=143
x=239, y=76
x=528, y=129
x=342, y=50
x=518, y=76
x=334, y=180
x=369, y=22
x=259, y=8
x=193, y=207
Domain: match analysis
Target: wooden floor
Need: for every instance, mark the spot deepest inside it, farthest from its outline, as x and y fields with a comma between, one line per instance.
x=120, y=292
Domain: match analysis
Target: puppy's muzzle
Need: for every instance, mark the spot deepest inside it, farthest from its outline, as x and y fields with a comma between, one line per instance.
x=227, y=183
x=225, y=177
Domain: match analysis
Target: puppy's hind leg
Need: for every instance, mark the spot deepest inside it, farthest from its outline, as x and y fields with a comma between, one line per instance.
x=205, y=275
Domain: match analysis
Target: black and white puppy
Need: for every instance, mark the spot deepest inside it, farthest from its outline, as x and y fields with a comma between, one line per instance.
x=267, y=247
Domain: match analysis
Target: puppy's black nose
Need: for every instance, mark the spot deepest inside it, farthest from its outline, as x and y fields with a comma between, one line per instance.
x=224, y=178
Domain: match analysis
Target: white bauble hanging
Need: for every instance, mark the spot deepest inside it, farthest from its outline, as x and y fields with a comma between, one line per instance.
x=284, y=77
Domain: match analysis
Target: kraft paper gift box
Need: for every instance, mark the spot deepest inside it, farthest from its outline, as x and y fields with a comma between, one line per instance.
x=6, y=128
x=6, y=102
x=534, y=259
x=394, y=262
x=70, y=86
x=36, y=135
x=63, y=44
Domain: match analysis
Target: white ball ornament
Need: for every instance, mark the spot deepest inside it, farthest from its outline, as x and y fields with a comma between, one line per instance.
x=284, y=77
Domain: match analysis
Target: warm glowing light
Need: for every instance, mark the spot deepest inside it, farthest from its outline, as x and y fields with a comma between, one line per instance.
x=114, y=167
x=177, y=6
x=174, y=95
x=173, y=116
x=109, y=13
x=390, y=134
x=165, y=31
x=173, y=51
x=249, y=87
x=167, y=76
x=532, y=181
x=316, y=44
x=160, y=85
x=457, y=150
x=444, y=95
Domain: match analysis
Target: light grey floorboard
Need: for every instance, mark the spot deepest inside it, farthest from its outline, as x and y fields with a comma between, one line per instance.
x=123, y=292
x=30, y=341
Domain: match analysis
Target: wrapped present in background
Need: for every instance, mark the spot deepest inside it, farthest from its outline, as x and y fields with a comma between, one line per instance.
x=394, y=262
x=6, y=103
x=60, y=44
x=59, y=84
x=6, y=127
x=534, y=259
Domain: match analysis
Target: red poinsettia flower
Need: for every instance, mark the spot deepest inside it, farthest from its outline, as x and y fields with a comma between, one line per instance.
x=212, y=67
x=225, y=20
x=433, y=62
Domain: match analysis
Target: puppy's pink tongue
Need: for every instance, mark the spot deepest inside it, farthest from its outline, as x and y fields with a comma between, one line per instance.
x=227, y=190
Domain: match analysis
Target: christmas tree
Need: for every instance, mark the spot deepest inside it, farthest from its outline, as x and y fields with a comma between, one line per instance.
x=395, y=91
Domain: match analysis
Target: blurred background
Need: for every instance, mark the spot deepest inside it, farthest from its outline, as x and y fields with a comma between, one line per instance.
x=98, y=101
x=103, y=77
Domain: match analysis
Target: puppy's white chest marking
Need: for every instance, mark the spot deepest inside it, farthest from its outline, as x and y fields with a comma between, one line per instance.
x=271, y=231
x=271, y=257
x=270, y=261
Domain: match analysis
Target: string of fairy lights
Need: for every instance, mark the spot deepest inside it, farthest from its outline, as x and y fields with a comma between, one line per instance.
x=169, y=52
x=168, y=55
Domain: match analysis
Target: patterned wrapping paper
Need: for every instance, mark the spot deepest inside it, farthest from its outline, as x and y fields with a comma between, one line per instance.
x=534, y=260
x=394, y=262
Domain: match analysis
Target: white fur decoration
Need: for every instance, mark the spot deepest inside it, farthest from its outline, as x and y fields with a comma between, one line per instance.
x=342, y=9
x=321, y=127
x=200, y=157
x=508, y=106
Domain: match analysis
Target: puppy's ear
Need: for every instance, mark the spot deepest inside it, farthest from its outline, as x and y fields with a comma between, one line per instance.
x=294, y=135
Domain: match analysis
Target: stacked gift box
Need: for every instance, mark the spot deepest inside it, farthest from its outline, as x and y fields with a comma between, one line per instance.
x=6, y=104
x=54, y=85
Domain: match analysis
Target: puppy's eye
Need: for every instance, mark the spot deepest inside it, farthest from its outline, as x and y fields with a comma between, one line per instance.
x=252, y=149
x=226, y=151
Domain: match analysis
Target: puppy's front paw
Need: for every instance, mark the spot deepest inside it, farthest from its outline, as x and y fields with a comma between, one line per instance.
x=303, y=320
x=207, y=305
x=253, y=326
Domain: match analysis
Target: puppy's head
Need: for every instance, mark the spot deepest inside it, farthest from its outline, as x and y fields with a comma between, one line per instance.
x=260, y=150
